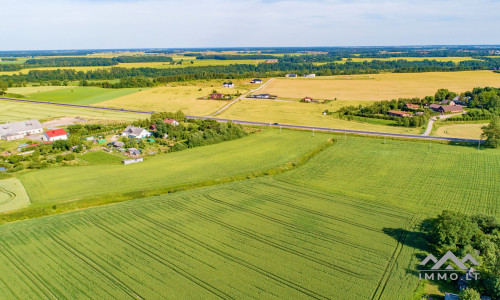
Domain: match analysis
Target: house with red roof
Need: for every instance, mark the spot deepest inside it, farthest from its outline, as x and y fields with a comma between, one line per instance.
x=171, y=122
x=55, y=135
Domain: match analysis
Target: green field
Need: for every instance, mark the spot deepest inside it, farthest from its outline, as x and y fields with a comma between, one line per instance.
x=341, y=226
x=79, y=95
x=99, y=157
x=18, y=111
x=257, y=152
x=12, y=195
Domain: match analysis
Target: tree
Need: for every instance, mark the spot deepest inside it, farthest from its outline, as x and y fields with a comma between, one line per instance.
x=3, y=87
x=469, y=294
x=492, y=133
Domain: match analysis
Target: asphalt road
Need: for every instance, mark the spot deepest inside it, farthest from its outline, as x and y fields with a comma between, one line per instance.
x=399, y=135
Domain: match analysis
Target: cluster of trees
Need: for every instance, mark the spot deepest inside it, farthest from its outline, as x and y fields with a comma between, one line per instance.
x=92, y=61
x=492, y=133
x=236, y=71
x=379, y=110
x=472, y=115
x=235, y=56
x=485, y=98
x=128, y=82
x=191, y=132
x=478, y=236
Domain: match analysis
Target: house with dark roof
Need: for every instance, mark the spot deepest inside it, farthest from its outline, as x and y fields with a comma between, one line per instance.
x=134, y=151
x=263, y=96
x=291, y=75
x=228, y=84
x=447, y=108
x=55, y=135
x=20, y=128
x=307, y=99
x=256, y=80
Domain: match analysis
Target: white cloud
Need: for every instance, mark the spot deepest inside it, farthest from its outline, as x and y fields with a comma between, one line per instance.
x=65, y=24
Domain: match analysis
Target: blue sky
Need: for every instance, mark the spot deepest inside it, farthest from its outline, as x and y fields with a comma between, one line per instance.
x=101, y=24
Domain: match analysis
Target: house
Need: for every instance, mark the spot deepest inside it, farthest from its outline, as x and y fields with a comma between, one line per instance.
x=271, y=61
x=134, y=151
x=464, y=279
x=256, y=80
x=13, y=136
x=447, y=108
x=461, y=100
x=291, y=75
x=152, y=127
x=307, y=99
x=135, y=132
x=118, y=144
x=412, y=106
x=216, y=96
x=24, y=127
x=228, y=84
x=419, y=113
x=447, y=102
x=398, y=113
x=310, y=75
x=132, y=161
x=90, y=138
x=55, y=135
x=171, y=122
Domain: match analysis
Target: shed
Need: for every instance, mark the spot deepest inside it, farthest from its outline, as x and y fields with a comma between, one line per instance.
x=132, y=161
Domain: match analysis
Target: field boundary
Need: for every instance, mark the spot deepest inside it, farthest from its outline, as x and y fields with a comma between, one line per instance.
x=47, y=209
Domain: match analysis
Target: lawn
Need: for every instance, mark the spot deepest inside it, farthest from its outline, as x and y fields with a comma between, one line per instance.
x=12, y=195
x=100, y=157
x=338, y=227
x=471, y=131
x=80, y=95
x=254, y=153
x=175, y=97
x=380, y=86
x=309, y=114
x=16, y=111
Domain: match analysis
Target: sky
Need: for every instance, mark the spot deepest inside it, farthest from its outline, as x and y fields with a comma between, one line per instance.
x=116, y=24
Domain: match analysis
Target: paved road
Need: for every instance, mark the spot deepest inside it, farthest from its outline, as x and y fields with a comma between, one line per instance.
x=434, y=119
x=400, y=135
x=239, y=98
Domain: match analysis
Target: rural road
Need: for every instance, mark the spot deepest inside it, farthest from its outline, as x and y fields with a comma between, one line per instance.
x=238, y=99
x=430, y=125
x=400, y=135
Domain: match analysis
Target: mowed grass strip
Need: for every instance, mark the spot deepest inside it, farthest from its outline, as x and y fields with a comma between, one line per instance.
x=12, y=195
x=381, y=86
x=17, y=111
x=257, y=152
x=100, y=157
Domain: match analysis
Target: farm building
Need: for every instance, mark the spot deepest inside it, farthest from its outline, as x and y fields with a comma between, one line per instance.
x=256, y=80
x=135, y=132
x=228, y=84
x=171, y=122
x=310, y=75
x=24, y=128
x=307, y=99
x=134, y=151
x=412, y=106
x=461, y=100
x=291, y=75
x=132, y=161
x=55, y=135
x=271, y=61
x=398, y=113
x=448, y=102
x=216, y=96
x=13, y=136
x=447, y=108
x=263, y=96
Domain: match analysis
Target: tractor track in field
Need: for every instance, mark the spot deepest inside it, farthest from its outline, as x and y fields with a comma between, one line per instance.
x=10, y=196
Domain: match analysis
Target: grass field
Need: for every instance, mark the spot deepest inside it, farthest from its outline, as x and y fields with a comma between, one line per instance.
x=173, y=98
x=101, y=158
x=78, y=95
x=380, y=86
x=472, y=131
x=338, y=227
x=12, y=195
x=297, y=113
x=17, y=111
x=264, y=150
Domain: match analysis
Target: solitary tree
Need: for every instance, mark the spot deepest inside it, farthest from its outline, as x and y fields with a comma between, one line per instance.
x=3, y=87
x=469, y=294
x=492, y=133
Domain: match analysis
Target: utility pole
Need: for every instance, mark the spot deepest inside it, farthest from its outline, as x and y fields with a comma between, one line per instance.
x=345, y=135
x=384, y=139
x=280, y=128
x=430, y=143
x=478, y=144
x=313, y=132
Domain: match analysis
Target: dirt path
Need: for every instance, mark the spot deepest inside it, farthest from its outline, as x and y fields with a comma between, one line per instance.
x=430, y=125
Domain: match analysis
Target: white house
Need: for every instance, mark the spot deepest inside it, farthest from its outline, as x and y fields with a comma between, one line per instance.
x=55, y=135
x=135, y=132
x=310, y=75
x=20, y=128
x=13, y=136
x=228, y=84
